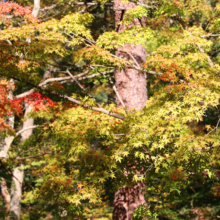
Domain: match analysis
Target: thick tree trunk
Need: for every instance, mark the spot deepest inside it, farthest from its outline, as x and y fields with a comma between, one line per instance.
x=130, y=83
x=18, y=173
x=132, y=88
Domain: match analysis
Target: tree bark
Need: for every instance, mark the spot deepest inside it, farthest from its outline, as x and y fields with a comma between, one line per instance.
x=18, y=173
x=132, y=88
x=130, y=83
x=4, y=148
x=6, y=143
x=36, y=8
x=16, y=192
x=6, y=196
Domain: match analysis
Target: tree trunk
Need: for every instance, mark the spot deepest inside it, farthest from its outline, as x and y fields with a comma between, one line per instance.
x=4, y=148
x=16, y=192
x=6, y=143
x=36, y=8
x=18, y=173
x=132, y=88
x=6, y=196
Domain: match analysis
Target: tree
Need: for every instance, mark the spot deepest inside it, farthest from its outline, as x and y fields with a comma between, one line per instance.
x=132, y=90
x=63, y=67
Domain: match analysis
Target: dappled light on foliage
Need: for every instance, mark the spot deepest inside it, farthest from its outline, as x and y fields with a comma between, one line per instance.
x=111, y=120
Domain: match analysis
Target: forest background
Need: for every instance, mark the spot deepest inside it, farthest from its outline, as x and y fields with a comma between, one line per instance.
x=110, y=110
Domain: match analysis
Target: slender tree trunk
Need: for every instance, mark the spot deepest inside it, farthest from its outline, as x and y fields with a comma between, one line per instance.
x=4, y=148
x=36, y=8
x=6, y=143
x=16, y=192
x=18, y=173
x=132, y=88
x=6, y=196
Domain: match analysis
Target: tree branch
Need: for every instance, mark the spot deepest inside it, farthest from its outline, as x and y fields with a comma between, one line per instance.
x=63, y=80
x=114, y=88
x=81, y=87
x=31, y=127
x=33, y=156
x=102, y=110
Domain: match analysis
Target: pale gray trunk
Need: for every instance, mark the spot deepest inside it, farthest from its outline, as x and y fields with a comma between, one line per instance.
x=5, y=143
x=6, y=196
x=16, y=192
x=36, y=8
x=18, y=173
x=4, y=148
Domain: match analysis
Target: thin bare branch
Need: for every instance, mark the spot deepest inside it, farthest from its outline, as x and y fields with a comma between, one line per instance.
x=114, y=88
x=48, y=81
x=210, y=35
x=102, y=110
x=211, y=64
x=88, y=77
x=48, y=8
x=33, y=156
x=81, y=87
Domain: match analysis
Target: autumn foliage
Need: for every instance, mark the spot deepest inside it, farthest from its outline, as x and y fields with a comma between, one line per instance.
x=16, y=10
x=84, y=146
x=8, y=106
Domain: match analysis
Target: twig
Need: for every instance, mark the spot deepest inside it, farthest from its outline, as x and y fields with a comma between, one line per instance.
x=38, y=155
x=9, y=172
x=211, y=64
x=113, y=114
x=48, y=81
x=87, y=93
x=48, y=7
x=215, y=128
x=134, y=60
x=30, y=149
x=114, y=88
x=210, y=35
x=87, y=77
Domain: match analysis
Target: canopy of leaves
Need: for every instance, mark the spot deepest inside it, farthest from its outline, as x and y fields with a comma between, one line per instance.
x=82, y=144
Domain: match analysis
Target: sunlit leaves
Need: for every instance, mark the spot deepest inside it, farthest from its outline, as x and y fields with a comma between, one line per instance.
x=134, y=35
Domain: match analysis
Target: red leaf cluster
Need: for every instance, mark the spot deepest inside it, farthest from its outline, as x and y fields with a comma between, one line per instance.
x=17, y=10
x=37, y=101
x=7, y=105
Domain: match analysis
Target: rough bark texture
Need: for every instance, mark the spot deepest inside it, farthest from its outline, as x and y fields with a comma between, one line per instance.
x=132, y=88
x=126, y=200
x=130, y=83
x=18, y=173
